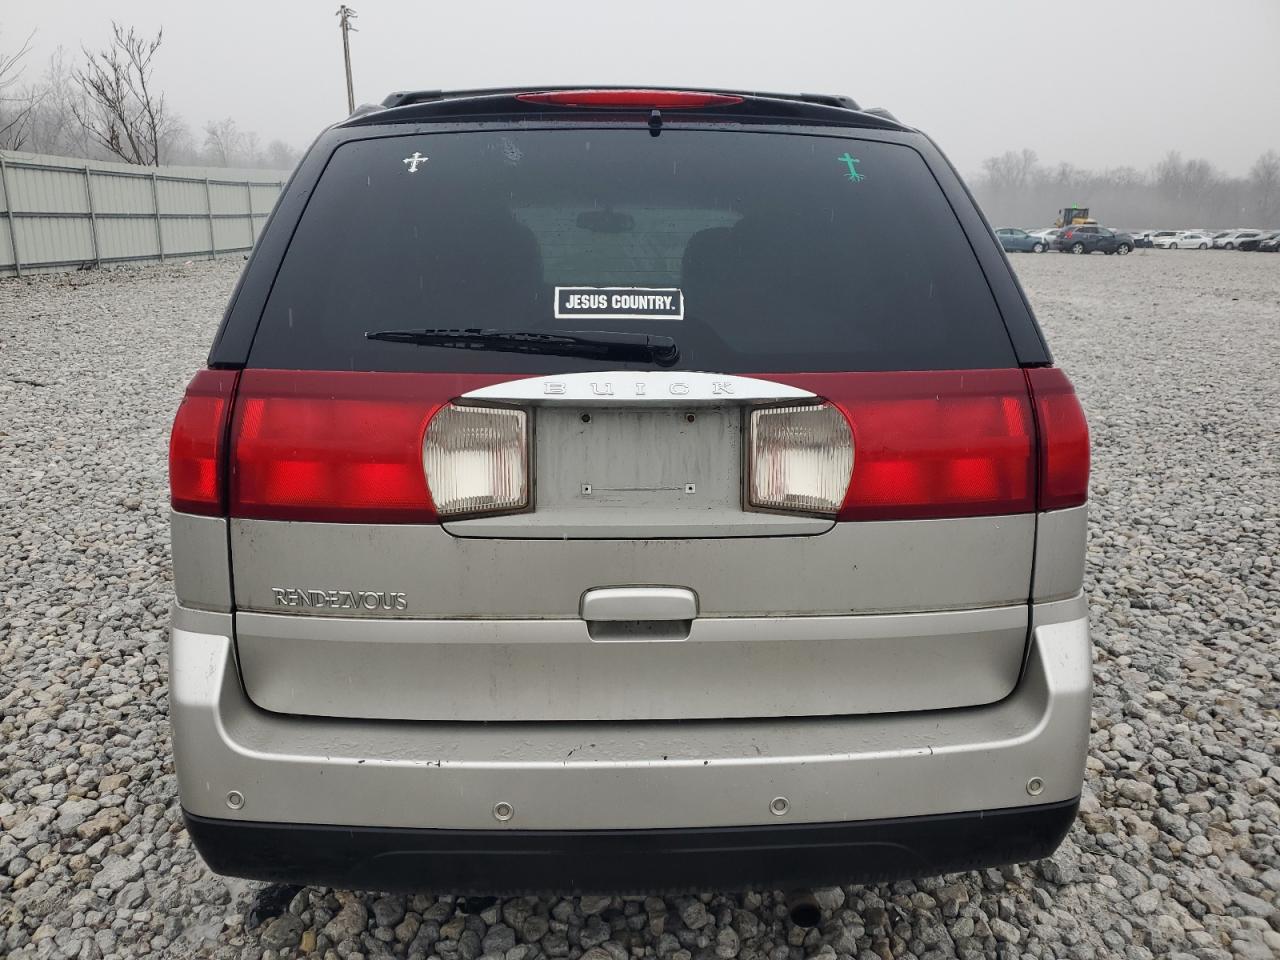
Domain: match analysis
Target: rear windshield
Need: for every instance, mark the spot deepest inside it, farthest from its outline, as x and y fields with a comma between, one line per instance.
x=757, y=252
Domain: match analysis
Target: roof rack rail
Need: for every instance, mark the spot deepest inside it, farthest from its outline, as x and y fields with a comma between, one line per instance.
x=407, y=106
x=403, y=97
x=881, y=112
x=827, y=99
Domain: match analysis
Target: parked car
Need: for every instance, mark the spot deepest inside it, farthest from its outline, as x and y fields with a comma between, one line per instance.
x=1153, y=237
x=498, y=569
x=1230, y=239
x=1187, y=240
x=1046, y=234
x=1091, y=238
x=1020, y=241
x=1254, y=243
x=1270, y=246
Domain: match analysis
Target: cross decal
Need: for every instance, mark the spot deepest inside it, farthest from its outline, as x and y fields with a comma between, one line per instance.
x=415, y=161
x=852, y=164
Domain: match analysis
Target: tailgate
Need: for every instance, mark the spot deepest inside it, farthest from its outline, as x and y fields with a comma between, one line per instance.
x=637, y=583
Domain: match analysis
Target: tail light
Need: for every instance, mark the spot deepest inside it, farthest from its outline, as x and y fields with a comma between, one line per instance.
x=353, y=447
x=196, y=478
x=1064, y=440
x=800, y=458
x=477, y=460
x=638, y=99
x=934, y=444
x=330, y=447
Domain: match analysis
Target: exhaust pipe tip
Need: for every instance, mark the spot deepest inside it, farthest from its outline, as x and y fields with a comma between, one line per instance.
x=803, y=909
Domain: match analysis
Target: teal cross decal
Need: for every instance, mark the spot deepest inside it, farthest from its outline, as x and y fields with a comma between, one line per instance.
x=852, y=164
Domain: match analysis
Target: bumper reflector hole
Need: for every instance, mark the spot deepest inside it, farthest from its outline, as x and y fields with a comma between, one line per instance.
x=503, y=811
x=779, y=806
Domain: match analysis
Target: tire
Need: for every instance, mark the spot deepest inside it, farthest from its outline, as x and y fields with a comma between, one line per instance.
x=1228, y=245
x=1203, y=246
x=1037, y=247
x=1077, y=247
x=1173, y=246
x=1123, y=249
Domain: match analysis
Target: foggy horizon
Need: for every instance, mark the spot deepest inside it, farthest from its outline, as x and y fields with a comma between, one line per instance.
x=1097, y=91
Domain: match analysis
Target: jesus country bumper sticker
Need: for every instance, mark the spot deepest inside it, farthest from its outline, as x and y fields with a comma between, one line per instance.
x=619, y=303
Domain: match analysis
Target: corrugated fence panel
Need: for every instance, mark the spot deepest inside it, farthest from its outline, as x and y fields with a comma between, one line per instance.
x=181, y=196
x=48, y=191
x=229, y=198
x=264, y=198
x=231, y=234
x=61, y=213
x=116, y=194
x=59, y=239
x=126, y=239
x=185, y=237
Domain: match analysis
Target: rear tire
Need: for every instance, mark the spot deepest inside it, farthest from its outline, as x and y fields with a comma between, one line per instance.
x=1173, y=246
x=1077, y=248
x=1228, y=245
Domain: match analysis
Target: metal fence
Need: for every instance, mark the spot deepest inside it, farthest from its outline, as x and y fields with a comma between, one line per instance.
x=64, y=214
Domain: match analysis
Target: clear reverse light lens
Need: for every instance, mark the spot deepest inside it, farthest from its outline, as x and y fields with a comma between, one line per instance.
x=801, y=458
x=475, y=459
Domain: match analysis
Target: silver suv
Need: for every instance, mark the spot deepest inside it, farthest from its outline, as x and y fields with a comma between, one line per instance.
x=605, y=490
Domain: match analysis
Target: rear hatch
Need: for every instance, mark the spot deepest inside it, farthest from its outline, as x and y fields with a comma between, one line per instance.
x=585, y=423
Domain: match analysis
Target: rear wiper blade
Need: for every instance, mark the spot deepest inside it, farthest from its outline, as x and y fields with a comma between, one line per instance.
x=593, y=344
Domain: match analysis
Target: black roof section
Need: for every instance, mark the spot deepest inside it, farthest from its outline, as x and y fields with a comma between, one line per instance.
x=409, y=106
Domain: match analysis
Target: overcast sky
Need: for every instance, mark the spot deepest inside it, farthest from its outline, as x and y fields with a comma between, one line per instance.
x=1095, y=83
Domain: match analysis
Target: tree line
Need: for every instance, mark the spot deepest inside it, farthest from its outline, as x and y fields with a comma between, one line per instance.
x=105, y=104
x=1016, y=189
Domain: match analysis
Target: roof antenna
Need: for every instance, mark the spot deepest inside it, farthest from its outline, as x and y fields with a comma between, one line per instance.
x=655, y=122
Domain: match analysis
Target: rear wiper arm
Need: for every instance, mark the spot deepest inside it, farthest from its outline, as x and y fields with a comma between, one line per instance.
x=593, y=344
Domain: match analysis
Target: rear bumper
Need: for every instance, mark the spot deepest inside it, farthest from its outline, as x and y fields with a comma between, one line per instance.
x=403, y=792
x=773, y=857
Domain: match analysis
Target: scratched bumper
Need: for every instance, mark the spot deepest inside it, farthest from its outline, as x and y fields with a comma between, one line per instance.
x=632, y=775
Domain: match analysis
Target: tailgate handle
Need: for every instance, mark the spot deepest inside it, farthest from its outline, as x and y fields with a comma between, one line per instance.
x=639, y=603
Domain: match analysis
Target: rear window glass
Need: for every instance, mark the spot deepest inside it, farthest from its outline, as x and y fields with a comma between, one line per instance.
x=757, y=252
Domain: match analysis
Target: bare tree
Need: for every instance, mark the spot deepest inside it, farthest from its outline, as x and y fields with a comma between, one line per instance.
x=223, y=142
x=1264, y=179
x=17, y=105
x=1012, y=170
x=280, y=156
x=1175, y=193
x=123, y=113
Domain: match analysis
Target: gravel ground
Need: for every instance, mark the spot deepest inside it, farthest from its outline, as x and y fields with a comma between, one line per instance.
x=1177, y=848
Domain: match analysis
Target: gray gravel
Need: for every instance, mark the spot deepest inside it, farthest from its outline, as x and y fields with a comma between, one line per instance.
x=1177, y=849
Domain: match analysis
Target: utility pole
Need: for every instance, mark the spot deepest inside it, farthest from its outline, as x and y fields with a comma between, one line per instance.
x=345, y=16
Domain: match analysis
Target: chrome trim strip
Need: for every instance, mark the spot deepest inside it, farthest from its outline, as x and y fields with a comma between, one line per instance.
x=626, y=387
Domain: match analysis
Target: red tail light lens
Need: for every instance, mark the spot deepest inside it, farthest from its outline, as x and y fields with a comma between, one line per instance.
x=1064, y=440
x=934, y=444
x=638, y=99
x=196, y=444
x=330, y=446
x=336, y=447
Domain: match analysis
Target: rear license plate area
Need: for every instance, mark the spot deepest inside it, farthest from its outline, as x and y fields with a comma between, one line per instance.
x=666, y=459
